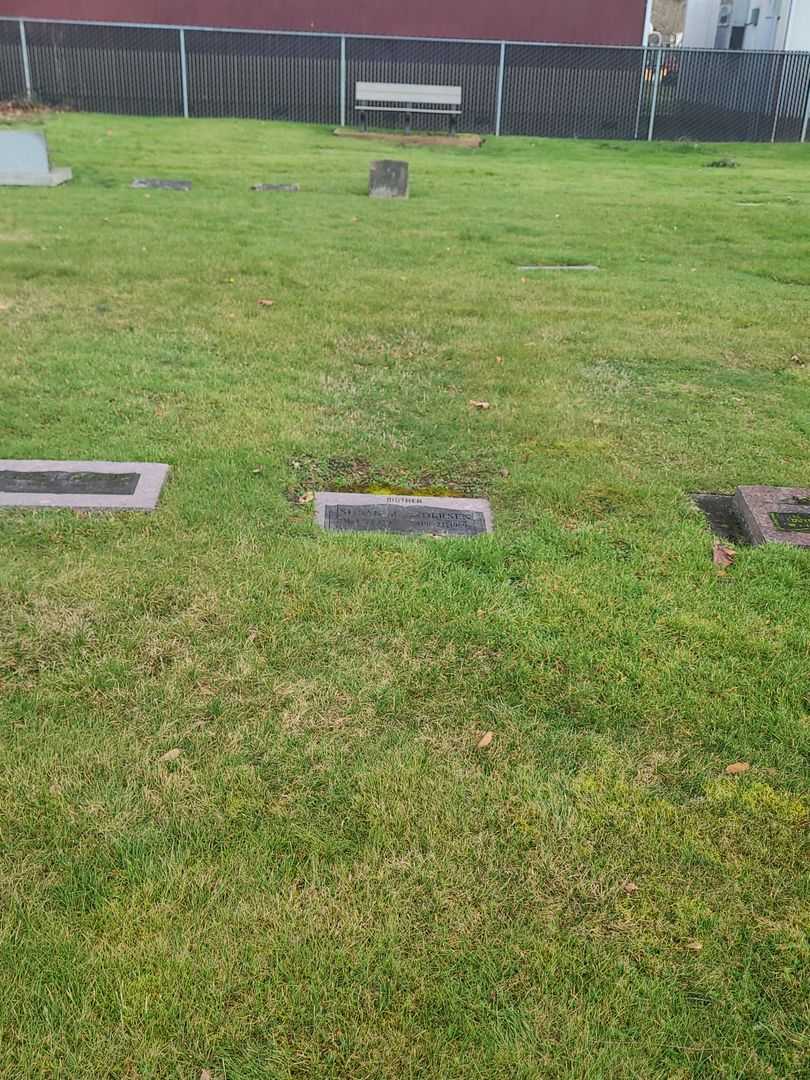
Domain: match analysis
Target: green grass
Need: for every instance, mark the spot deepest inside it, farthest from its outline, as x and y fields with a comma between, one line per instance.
x=331, y=881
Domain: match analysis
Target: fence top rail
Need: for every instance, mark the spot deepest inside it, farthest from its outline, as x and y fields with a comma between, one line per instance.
x=679, y=49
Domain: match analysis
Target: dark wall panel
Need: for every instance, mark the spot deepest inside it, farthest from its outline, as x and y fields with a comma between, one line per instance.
x=596, y=22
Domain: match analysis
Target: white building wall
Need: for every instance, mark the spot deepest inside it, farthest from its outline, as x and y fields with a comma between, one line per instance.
x=798, y=28
x=700, y=25
x=783, y=24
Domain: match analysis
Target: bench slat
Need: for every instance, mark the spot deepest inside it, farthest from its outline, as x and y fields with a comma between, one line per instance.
x=397, y=108
x=408, y=93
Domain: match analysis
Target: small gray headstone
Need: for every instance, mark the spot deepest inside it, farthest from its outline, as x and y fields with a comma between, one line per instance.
x=275, y=187
x=776, y=515
x=388, y=180
x=407, y=515
x=24, y=161
x=82, y=485
x=152, y=182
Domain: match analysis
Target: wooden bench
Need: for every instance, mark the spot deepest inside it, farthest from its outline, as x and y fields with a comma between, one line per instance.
x=407, y=98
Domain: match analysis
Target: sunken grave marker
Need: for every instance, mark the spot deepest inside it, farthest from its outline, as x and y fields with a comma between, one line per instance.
x=153, y=182
x=405, y=515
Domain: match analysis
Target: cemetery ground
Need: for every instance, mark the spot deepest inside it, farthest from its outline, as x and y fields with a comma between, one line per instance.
x=247, y=827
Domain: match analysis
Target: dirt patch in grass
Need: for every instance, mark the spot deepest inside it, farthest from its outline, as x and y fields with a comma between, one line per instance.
x=469, y=480
x=463, y=142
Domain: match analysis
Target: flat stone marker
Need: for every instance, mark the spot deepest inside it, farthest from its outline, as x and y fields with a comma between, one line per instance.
x=406, y=515
x=388, y=180
x=563, y=266
x=81, y=485
x=24, y=161
x=276, y=187
x=152, y=182
x=775, y=515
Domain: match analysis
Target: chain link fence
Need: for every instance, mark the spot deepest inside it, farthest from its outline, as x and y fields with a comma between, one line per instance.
x=578, y=91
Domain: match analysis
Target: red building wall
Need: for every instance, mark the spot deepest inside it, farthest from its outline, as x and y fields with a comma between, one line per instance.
x=593, y=22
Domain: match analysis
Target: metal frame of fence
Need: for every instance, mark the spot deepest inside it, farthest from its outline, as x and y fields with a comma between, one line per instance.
x=509, y=87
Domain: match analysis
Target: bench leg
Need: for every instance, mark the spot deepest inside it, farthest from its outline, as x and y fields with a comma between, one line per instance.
x=407, y=123
x=364, y=118
x=453, y=122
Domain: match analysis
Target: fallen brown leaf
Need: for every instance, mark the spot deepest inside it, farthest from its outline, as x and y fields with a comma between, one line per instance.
x=498, y=359
x=630, y=887
x=171, y=755
x=737, y=767
x=479, y=404
x=264, y=303
x=485, y=740
x=307, y=497
x=694, y=946
x=723, y=556
x=206, y=1074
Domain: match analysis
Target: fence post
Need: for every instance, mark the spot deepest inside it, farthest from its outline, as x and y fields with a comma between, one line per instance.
x=184, y=72
x=640, y=93
x=29, y=92
x=651, y=128
x=499, y=104
x=343, y=80
x=778, y=105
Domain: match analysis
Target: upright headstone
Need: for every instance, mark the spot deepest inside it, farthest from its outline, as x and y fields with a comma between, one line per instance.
x=776, y=515
x=24, y=161
x=388, y=180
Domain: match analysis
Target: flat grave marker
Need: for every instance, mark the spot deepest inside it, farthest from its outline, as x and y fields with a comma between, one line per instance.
x=276, y=187
x=405, y=515
x=388, y=180
x=154, y=182
x=561, y=266
x=81, y=485
x=775, y=515
x=25, y=161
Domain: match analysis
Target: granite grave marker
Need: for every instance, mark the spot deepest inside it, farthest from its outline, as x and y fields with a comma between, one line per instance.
x=81, y=485
x=25, y=162
x=276, y=187
x=388, y=180
x=154, y=182
x=406, y=515
x=776, y=515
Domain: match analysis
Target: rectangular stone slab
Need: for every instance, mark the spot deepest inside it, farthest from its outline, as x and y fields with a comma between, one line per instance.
x=388, y=180
x=276, y=187
x=24, y=161
x=81, y=485
x=151, y=182
x=775, y=515
x=24, y=152
x=406, y=515
x=562, y=266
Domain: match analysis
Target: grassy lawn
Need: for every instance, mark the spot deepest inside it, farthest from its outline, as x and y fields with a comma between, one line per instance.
x=330, y=880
